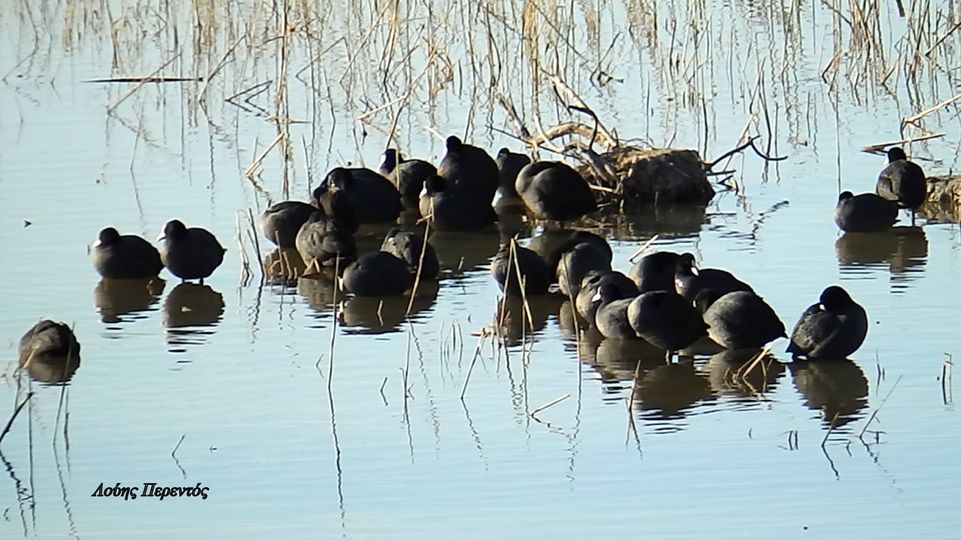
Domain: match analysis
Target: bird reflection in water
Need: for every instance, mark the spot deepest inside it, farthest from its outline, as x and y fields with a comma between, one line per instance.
x=616, y=361
x=669, y=392
x=741, y=374
x=189, y=313
x=903, y=250
x=373, y=315
x=836, y=388
x=283, y=266
x=513, y=322
x=464, y=251
x=125, y=300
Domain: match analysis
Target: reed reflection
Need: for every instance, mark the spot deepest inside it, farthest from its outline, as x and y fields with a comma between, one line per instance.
x=125, y=300
x=670, y=392
x=902, y=251
x=190, y=312
x=833, y=387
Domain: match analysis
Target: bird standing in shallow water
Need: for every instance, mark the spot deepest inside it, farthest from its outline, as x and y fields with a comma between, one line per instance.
x=903, y=181
x=125, y=256
x=866, y=212
x=192, y=253
x=833, y=328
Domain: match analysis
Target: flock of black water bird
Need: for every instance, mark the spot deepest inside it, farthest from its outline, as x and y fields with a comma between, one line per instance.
x=665, y=299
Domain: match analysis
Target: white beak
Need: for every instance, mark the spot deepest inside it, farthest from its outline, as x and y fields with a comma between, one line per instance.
x=695, y=271
x=596, y=297
x=96, y=243
x=161, y=237
x=821, y=307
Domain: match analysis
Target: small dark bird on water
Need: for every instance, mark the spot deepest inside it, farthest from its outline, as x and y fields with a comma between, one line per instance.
x=280, y=222
x=407, y=174
x=509, y=164
x=470, y=169
x=903, y=181
x=866, y=212
x=833, y=328
x=555, y=191
x=375, y=199
x=125, y=256
x=192, y=253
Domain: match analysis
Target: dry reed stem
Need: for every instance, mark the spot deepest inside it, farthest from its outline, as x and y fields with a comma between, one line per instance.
x=878, y=148
x=643, y=248
x=548, y=404
x=470, y=369
x=252, y=168
x=914, y=119
x=420, y=266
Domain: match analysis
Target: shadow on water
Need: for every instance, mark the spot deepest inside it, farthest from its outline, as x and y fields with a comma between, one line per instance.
x=833, y=387
x=902, y=251
x=371, y=315
x=190, y=312
x=125, y=300
x=730, y=374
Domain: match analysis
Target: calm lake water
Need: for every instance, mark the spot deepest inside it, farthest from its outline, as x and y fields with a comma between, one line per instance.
x=234, y=376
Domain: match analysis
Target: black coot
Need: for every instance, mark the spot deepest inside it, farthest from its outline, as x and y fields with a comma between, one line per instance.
x=739, y=319
x=321, y=241
x=594, y=280
x=832, y=329
x=377, y=274
x=533, y=270
x=48, y=340
x=866, y=212
x=452, y=209
x=902, y=181
x=555, y=191
x=610, y=316
x=337, y=205
x=408, y=246
x=280, y=222
x=553, y=245
x=576, y=263
x=655, y=271
x=689, y=280
x=407, y=174
x=470, y=169
x=373, y=197
x=192, y=253
x=509, y=165
x=125, y=256
x=666, y=320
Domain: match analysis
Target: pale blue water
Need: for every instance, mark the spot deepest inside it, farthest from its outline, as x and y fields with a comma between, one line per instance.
x=246, y=384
